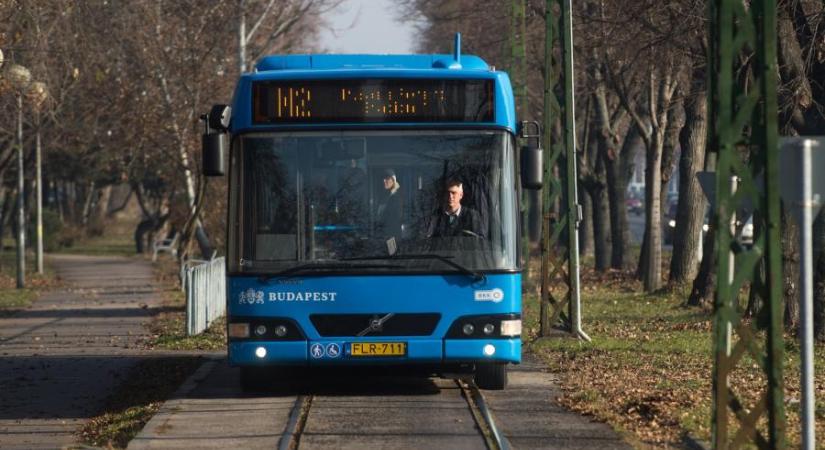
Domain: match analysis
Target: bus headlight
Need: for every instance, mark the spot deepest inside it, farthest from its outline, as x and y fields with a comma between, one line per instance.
x=260, y=330
x=238, y=330
x=511, y=327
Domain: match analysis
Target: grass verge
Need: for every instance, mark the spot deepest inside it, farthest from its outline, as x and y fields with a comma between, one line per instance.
x=13, y=299
x=143, y=391
x=168, y=329
x=116, y=241
x=647, y=371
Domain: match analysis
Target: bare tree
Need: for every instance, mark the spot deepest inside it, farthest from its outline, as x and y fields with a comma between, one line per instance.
x=692, y=202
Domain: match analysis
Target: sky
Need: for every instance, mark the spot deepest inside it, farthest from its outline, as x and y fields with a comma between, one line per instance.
x=367, y=26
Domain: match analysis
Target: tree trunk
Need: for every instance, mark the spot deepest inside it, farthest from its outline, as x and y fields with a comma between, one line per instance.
x=8, y=195
x=704, y=285
x=601, y=225
x=103, y=203
x=819, y=276
x=69, y=197
x=674, y=124
x=692, y=203
x=87, y=204
x=652, y=277
x=616, y=173
x=586, y=227
x=601, y=229
x=790, y=268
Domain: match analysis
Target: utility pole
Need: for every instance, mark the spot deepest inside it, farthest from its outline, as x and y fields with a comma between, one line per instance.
x=736, y=31
x=561, y=266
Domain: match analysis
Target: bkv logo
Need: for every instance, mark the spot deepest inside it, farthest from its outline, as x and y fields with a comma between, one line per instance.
x=493, y=295
x=251, y=296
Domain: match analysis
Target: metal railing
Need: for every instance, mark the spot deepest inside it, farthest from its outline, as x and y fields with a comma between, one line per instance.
x=205, y=288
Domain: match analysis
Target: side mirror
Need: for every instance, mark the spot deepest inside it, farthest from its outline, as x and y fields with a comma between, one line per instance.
x=532, y=168
x=215, y=140
x=214, y=149
x=219, y=117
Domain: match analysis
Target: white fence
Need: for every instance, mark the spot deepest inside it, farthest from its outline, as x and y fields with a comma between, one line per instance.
x=205, y=287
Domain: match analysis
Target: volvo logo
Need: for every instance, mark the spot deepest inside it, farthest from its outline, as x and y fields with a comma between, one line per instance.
x=376, y=324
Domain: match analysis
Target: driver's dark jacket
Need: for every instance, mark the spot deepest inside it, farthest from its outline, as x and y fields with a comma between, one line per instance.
x=468, y=219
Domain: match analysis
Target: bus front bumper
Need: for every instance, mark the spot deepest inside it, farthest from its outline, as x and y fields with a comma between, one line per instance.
x=339, y=351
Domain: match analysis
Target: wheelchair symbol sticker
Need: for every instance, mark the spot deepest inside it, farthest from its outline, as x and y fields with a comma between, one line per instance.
x=333, y=350
x=317, y=351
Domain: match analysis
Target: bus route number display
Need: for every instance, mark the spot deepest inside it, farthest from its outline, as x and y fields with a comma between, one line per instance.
x=371, y=100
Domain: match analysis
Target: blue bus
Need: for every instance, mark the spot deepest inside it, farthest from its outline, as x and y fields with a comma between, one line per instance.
x=372, y=214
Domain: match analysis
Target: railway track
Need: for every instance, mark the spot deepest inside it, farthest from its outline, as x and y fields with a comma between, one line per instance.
x=476, y=406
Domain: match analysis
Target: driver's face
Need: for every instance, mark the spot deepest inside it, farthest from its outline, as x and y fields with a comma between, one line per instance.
x=388, y=183
x=454, y=196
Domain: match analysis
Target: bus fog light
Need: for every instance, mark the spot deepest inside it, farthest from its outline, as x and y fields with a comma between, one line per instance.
x=260, y=352
x=468, y=329
x=511, y=327
x=238, y=330
x=260, y=330
x=489, y=328
x=280, y=331
x=489, y=350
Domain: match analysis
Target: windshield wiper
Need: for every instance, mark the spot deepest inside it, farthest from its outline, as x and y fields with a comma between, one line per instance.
x=322, y=266
x=477, y=276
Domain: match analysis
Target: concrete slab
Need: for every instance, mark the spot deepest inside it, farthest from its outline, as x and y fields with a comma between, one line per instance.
x=209, y=411
x=528, y=415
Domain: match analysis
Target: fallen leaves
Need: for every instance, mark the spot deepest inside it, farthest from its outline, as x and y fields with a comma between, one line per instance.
x=648, y=370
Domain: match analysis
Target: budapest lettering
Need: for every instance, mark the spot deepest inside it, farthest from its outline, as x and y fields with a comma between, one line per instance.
x=255, y=297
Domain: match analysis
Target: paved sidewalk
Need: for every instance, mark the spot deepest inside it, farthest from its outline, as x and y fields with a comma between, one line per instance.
x=62, y=357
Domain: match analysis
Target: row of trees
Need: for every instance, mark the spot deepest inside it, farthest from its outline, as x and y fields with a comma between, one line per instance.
x=641, y=86
x=127, y=81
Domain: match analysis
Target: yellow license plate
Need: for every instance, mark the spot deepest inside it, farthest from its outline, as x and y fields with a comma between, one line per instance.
x=378, y=349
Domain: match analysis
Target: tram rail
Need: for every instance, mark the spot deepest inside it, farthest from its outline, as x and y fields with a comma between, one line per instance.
x=481, y=413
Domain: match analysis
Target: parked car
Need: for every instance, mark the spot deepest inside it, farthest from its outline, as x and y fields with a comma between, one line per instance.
x=746, y=235
x=670, y=223
x=635, y=205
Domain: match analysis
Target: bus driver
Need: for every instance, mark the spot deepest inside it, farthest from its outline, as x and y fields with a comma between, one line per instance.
x=455, y=219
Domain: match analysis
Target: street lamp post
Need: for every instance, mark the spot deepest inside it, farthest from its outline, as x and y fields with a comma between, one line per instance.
x=38, y=95
x=20, y=78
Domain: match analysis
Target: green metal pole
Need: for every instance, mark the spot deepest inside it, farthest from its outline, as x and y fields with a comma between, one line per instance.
x=550, y=189
x=572, y=178
x=745, y=118
x=766, y=24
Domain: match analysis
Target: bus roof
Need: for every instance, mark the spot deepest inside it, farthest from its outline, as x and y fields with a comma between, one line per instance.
x=331, y=62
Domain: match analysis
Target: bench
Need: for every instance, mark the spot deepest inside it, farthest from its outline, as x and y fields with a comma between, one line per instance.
x=167, y=244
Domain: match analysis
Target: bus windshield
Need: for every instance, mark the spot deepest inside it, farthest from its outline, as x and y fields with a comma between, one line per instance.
x=327, y=197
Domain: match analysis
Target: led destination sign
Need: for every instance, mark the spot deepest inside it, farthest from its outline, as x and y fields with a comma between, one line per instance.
x=372, y=100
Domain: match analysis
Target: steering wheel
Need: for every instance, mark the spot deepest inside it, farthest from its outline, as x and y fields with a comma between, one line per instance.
x=470, y=233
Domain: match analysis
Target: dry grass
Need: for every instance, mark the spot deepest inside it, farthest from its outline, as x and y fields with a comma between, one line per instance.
x=647, y=371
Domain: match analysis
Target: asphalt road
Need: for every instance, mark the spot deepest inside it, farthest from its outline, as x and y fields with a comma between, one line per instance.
x=636, y=222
